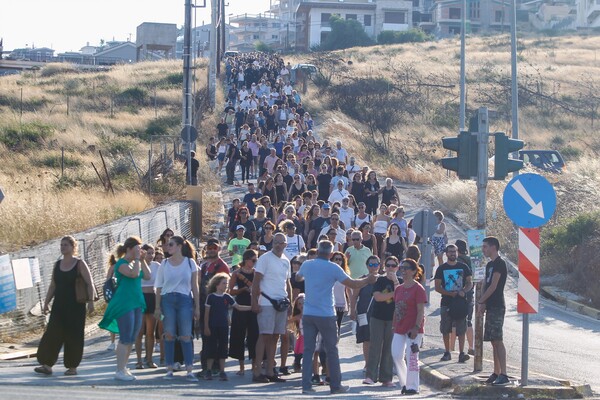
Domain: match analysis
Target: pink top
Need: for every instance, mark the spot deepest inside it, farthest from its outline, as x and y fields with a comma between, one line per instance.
x=406, y=307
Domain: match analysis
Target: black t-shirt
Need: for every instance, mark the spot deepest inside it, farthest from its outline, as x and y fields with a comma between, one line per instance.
x=249, y=201
x=323, y=181
x=219, y=309
x=383, y=310
x=453, y=278
x=195, y=166
x=222, y=128
x=497, y=298
x=295, y=284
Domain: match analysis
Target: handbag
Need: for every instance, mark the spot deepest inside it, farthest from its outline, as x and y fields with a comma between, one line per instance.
x=278, y=305
x=109, y=288
x=81, y=288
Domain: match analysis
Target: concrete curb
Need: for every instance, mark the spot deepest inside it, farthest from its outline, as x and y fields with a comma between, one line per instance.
x=552, y=293
x=434, y=378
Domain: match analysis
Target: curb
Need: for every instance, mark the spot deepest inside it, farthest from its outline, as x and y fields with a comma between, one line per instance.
x=434, y=378
x=551, y=293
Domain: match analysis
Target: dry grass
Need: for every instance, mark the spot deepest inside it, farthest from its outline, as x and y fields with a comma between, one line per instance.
x=34, y=209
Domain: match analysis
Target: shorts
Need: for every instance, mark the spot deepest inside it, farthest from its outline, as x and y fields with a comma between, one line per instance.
x=470, y=308
x=494, y=321
x=439, y=245
x=150, y=299
x=221, y=157
x=271, y=322
x=363, y=333
x=447, y=323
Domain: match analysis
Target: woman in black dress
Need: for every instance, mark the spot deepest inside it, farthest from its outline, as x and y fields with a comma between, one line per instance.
x=67, y=318
x=267, y=238
x=244, y=326
x=323, y=182
x=357, y=188
x=372, y=190
x=297, y=188
x=281, y=192
x=246, y=161
x=269, y=190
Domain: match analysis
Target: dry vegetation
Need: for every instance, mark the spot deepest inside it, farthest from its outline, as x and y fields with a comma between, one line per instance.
x=559, y=99
x=116, y=111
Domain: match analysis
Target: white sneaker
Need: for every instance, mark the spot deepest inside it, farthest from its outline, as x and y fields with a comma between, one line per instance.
x=128, y=372
x=122, y=376
x=111, y=347
x=177, y=367
x=168, y=376
x=190, y=377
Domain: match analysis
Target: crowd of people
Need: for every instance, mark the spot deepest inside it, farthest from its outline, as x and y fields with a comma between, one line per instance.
x=315, y=240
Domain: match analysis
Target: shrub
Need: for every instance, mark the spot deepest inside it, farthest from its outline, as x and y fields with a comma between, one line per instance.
x=345, y=34
x=118, y=145
x=410, y=36
x=570, y=153
x=262, y=47
x=133, y=94
x=57, y=69
x=54, y=161
x=27, y=137
x=163, y=125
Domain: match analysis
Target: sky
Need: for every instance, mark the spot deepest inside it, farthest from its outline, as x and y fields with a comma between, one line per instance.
x=68, y=25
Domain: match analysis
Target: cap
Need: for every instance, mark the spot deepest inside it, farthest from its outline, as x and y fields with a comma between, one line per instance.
x=326, y=206
x=262, y=247
x=240, y=227
x=212, y=241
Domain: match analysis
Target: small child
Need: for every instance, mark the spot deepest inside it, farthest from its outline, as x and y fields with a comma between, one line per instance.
x=297, y=312
x=216, y=322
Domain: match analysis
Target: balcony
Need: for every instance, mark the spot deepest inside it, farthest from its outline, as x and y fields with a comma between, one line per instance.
x=593, y=11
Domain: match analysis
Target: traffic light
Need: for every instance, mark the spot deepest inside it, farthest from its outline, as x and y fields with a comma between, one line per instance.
x=465, y=162
x=503, y=165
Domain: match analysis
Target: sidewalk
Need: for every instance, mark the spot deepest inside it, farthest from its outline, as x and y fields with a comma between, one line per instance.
x=461, y=380
x=569, y=300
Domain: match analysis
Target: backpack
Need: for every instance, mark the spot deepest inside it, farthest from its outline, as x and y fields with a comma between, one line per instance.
x=459, y=308
x=109, y=288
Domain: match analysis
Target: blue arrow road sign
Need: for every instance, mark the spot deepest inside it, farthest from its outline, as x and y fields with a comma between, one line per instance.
x=529, y=200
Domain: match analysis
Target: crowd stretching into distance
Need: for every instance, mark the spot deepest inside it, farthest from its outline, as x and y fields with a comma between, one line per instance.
x=316, y=241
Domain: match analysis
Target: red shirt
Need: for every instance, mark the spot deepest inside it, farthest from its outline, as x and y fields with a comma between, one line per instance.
x=406, y=307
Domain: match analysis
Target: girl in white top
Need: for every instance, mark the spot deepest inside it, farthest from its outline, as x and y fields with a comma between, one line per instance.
x=177, y=300
x=380, y=224
x=149, y=321
x=340, y=293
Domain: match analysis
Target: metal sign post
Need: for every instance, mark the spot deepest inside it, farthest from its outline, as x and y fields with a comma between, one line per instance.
x=529, y=201
x=424, y=225
x=482, y=181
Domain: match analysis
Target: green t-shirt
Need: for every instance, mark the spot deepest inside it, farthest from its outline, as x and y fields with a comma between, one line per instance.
x=358, y=261
x=238, y=247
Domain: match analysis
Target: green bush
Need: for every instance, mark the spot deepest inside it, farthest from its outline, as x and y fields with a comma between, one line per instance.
x=133, y=94
x=345, y=34
x=262, y=47
x=54, y=160
x=27, y=137
x=57, y=69
x=410, y=36
x=560, y=239
x=118, y=145
x=570, y=153
x=163, y=125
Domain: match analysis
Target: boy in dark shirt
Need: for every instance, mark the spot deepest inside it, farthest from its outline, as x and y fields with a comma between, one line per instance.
x=492, y=304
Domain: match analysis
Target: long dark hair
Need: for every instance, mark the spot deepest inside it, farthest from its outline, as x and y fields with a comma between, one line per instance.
x=187, y=248
x=414, y=267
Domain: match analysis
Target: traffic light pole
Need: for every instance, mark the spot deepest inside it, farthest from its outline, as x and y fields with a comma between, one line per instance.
x=482, y=181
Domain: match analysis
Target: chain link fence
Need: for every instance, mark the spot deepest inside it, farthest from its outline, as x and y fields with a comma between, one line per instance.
x=95, y=247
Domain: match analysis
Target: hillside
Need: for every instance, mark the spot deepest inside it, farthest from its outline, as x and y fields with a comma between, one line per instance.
x=120, y=111
x=392, y=105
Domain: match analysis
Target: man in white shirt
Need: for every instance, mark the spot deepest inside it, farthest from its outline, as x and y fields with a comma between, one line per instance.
x=338, y=193
x=346, y=213
x=295, y=243
x=352, y=169
x=271, y=277
x=340, y=234
x=243, y=93
x=341, y=153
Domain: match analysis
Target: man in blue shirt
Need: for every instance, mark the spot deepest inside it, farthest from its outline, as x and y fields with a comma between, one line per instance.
x=319, y=276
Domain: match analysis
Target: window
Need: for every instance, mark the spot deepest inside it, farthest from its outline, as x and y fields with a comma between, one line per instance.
x=416, y=3
x=276, y=25
x=474, y=12
x=499, y=16
x=454, y=13
x=256, y=37
x=394, y=17
x=274, y=36
x=367, y=20
x=352, y=16
x=324, y=36
x=325, y=19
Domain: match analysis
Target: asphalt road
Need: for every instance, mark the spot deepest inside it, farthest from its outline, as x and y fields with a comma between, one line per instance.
x=562, y=344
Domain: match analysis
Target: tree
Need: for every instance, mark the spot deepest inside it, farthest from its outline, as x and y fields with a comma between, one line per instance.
x=344, y=34
x=262, y=47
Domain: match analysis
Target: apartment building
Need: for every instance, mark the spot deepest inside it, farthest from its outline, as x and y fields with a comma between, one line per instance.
x=482, y=16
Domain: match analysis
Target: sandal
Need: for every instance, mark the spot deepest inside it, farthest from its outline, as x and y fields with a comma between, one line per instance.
x=139, y=365
x=71, y=372
x=151, y=364
x=240, y=373
x=44, y=370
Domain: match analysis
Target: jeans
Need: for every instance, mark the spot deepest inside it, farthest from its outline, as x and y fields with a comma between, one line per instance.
x=178, y=312
x=380, y=364
x=327, y=327
x=129, y=326
x=408, y=374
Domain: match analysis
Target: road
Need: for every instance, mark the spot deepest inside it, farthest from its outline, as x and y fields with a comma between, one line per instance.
x=562, y=344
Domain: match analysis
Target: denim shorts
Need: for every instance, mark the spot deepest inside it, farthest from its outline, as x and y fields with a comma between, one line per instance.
x=129, y=326
x=178, y=312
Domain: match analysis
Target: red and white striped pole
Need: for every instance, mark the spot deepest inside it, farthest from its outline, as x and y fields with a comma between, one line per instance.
x=529, y=271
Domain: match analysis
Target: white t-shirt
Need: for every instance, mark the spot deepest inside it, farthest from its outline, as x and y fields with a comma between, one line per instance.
x=340, y=235
x=294, y=246
x=346, y=216
x=339, y=295
x=154, y=266
x=341, y=154
x=175, y=279
x=275, y=272
x=337, y=195
x=352, y=170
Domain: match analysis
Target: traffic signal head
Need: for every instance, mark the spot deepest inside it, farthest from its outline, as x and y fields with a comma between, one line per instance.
x=503, y=164
x=465, y=162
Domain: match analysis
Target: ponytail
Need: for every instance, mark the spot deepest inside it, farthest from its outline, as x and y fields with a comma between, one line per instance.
x=188, y=250
x=419, y=274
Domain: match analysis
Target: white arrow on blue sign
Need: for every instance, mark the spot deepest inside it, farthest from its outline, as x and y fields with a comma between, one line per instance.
x=529, y=200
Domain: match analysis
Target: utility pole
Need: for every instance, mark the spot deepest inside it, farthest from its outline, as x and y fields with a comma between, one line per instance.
x=219, y=22
x=483, y=133
x=212, y=66
x=463, y=55
x=187, y=87
x=223, y=28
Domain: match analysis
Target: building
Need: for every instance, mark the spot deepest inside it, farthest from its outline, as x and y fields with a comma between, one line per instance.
x=43, y=54
x=482, y=16
x=252, y=28
x=201, y=40
x=376, y=16
x=285, y=11
x=553, y=16
x=155, y=39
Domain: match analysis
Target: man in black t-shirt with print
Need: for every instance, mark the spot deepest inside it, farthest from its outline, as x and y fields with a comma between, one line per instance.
x=452, y=279
x=492, y=303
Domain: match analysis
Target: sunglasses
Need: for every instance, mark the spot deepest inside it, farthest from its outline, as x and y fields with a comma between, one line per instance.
x=406, y=267
x=171, y=244
x=212, y=247
x=254, y=259
x=338, y=259
x=355, y=239
x=391, y=265
x=261, y=211
x=373, y=264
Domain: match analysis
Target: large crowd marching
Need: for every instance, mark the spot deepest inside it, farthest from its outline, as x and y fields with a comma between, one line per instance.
x=316, y=238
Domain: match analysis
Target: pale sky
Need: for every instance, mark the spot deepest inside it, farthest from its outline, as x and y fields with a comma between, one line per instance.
x=68, y=25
